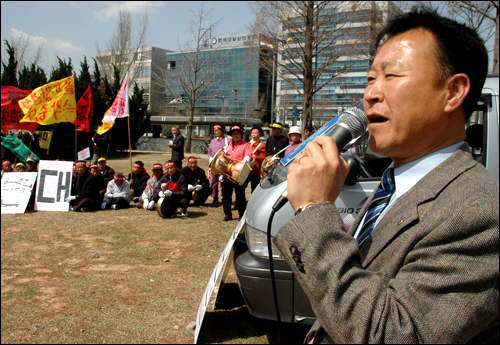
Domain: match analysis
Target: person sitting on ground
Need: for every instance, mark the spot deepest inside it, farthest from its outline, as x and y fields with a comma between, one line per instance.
x=85, y=191
x=106, y=171
x=94, y=170
x=197, y=181
x=117, y=193
x=146, y=200
x=294, y=135
x=308, y=131
x=174, y=188
x=138, y=181
x=259, y=151
x=31, y=165
x=219, y=142
x=6, y=166
x=20, y=167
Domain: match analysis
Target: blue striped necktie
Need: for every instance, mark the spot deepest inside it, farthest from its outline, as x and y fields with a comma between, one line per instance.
x=378, y=204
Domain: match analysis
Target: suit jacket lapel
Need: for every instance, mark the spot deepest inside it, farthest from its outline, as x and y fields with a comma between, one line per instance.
x=405, y=210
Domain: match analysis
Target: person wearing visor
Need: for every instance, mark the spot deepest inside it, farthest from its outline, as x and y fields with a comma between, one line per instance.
x=198, y=184
x=238, y=150
x=174, y=188
x=138, y=180
x=276, y=141
x=20, y=167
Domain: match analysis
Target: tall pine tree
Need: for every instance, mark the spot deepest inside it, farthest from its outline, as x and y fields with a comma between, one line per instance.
x=9, y=71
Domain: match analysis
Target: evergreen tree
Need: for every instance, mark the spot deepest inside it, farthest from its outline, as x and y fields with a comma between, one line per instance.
x=9, y=71
x=64, y=70
x=83, y=80
x=99, y=98
x=31, y=78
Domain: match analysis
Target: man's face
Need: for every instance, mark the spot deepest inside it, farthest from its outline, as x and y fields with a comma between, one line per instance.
x=174, y=131
x=30, y=165
x=276, y=131
x=20, y=169
x=7, y=167
x=404, y=101
x=102, y=165
x=193, y=164
x=218, y=133
x=157, y=173
x=118, y=181
x=80, y=169
x=137, y=170
x=307, y=133
x=171, y=170
x=94, y=171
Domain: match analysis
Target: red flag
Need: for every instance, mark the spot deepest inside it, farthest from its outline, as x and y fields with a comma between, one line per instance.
x=84, y=111
x=11, y=112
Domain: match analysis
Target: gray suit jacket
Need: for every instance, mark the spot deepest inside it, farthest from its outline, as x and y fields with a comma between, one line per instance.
x=428, y=274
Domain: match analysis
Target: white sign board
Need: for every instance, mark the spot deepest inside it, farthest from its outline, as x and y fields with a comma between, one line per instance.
x=16, y=191
x=224, y=258
x=84, y=154
x=54, y=185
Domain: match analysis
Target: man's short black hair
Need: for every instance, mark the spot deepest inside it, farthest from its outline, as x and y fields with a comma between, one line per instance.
x=460, y=49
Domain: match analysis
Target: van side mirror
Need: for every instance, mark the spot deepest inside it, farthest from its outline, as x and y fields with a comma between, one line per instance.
x=352, y=175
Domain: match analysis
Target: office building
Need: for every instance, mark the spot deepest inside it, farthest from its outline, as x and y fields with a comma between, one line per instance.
x=147, y=70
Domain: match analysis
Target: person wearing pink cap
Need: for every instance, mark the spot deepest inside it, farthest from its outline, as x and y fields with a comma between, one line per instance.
x=6, y=166
x=219, y=142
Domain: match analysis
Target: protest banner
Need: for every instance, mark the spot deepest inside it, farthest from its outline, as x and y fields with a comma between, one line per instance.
x=54, y=185
x=120, y=108
x=51, y=103
x=18, y=148
x=84, y=154
x=16, y=191
x=11, y=112
x=44, y=137
x=221, y=266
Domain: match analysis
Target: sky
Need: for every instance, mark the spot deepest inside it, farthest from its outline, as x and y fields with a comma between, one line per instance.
x=70, y=29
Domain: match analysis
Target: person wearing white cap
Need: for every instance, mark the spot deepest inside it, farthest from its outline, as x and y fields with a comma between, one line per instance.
x=30, y=164
x=294, y=135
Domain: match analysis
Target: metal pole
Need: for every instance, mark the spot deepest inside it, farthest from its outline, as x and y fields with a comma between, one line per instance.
x=272, y=86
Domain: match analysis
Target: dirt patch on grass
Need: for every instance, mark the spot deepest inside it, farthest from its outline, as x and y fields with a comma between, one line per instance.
x=117, y=276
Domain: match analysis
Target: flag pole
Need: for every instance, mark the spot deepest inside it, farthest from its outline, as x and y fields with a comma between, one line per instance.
x=76, y=155
x=130, y=150
x=109, y=141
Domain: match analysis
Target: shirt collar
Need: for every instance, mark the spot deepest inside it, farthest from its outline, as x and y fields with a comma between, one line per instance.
x=407, y=175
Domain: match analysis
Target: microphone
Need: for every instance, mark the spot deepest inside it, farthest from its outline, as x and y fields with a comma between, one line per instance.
x=351, y=124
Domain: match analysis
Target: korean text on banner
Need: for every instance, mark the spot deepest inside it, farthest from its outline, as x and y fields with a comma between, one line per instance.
x=44, y=137
x=18, y=148
x=51, y=103
x=120, y=106
x=16, y=191
x=11, y=113
x=53, y=186
x=84, y=111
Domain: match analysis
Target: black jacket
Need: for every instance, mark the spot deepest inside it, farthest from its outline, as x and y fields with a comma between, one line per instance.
x=33, y=145
x=140, y=183
x=196, y=177
x=86, y=186
x=177, y=184
x=276, y=144
x=100, y=144
x=178, y=148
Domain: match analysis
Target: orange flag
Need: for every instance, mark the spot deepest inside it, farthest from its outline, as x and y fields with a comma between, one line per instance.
x=51, y=103
x=84, y=111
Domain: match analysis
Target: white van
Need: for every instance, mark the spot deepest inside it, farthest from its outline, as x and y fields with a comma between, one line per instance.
x=251, y=259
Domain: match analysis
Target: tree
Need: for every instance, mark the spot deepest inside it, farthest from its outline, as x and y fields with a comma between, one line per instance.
x=199, y=70
x=22, y=46
x=314, y=36
x=124, y=45
x=31, y=78
x=482, y=16
x=9, y=74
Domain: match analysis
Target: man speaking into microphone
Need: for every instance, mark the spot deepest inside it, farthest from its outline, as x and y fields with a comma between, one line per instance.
x=420, y=263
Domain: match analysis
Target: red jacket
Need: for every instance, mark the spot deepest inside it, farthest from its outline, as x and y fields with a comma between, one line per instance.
x=259, y=151
x=239, y=151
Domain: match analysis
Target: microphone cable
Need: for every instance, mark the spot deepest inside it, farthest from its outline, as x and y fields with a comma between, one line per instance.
x=279, y=204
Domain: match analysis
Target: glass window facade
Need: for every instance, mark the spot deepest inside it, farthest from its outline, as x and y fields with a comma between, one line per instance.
x=221, y=71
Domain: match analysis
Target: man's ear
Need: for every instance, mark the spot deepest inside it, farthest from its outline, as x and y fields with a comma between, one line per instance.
x=458, y=89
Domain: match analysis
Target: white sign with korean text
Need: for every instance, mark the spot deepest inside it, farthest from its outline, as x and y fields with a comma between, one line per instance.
x=221, y=264
x=54, y=185
x=16, y=191
x=84, y=154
